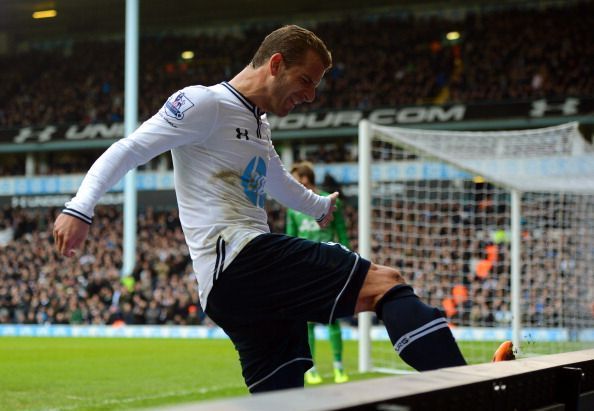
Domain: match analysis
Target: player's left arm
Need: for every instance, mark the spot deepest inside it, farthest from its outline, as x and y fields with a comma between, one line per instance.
x=281, y=185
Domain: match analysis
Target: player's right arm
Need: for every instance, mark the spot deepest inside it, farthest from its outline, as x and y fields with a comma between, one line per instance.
x=191, y=123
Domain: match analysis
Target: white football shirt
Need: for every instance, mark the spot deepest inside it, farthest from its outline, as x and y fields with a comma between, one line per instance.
x=224, y=165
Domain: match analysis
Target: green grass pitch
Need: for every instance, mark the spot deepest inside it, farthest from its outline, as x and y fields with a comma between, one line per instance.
x=117, y=374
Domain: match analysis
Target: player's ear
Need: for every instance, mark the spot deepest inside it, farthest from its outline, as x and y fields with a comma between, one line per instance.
x=275, y=63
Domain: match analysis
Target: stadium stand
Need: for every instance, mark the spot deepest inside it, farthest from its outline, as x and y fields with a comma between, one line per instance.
x=503, y=56
x=536, y=53
x=37, y=287
x=401, y=59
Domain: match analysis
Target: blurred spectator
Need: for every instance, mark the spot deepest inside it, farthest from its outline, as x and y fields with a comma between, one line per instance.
x=437, y=246
x=388, y=60
x=38, y=287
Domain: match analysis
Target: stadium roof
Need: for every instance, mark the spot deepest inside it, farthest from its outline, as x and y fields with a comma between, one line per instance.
x=104, y=16
x=87, y=17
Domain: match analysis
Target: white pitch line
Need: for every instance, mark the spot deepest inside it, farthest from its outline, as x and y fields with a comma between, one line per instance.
x=128, y=400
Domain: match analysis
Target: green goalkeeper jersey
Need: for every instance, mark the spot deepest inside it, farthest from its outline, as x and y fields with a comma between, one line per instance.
x=305, y=226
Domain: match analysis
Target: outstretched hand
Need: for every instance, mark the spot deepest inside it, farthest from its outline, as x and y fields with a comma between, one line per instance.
x=330, y=213
x=69, y=234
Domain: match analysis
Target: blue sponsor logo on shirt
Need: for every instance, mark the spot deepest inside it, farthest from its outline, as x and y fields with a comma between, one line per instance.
x=176, y=106
x=253, y=180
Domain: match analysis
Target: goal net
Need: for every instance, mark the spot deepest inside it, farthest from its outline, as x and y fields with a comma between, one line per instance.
x=494, y=228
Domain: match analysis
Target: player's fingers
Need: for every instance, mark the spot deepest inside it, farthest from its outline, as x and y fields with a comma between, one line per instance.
x=58, y=235
x=65, y=247
x=58, y=240
x=70, y=247
x=327, y=219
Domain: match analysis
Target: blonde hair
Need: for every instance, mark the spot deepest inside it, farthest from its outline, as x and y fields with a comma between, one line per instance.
x=304, y=169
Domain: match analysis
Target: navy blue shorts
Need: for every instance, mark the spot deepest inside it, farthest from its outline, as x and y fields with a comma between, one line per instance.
x=266, y=296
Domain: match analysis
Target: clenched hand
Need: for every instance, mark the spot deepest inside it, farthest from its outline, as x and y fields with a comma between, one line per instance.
x=330, y=213
x=69, y=234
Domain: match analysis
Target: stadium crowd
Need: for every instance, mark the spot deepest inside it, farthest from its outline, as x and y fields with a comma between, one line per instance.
x=457, y=256
x=450, y=263
x=380, y=61
x=39, y=287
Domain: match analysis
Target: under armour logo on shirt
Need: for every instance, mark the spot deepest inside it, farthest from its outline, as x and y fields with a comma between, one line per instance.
x=242, y=132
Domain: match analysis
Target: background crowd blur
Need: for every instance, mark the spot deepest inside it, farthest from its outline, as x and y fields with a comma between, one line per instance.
x=379, y=61
x=449, y=263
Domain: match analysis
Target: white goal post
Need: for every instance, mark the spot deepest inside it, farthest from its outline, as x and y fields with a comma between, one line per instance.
x=495, y=228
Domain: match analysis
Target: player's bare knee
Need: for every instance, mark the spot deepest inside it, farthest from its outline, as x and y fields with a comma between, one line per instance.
x=390, y=276
x=396, y=276
x=380, y=279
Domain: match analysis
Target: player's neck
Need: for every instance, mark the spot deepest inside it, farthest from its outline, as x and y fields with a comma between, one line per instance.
x=249, y=82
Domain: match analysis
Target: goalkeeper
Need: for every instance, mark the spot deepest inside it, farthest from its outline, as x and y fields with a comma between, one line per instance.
x=305, y=226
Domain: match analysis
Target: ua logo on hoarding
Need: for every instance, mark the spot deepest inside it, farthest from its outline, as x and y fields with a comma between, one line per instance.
x=242, y=132
x=567, y=108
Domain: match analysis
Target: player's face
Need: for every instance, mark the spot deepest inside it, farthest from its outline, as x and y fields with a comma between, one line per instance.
x=296, y=85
